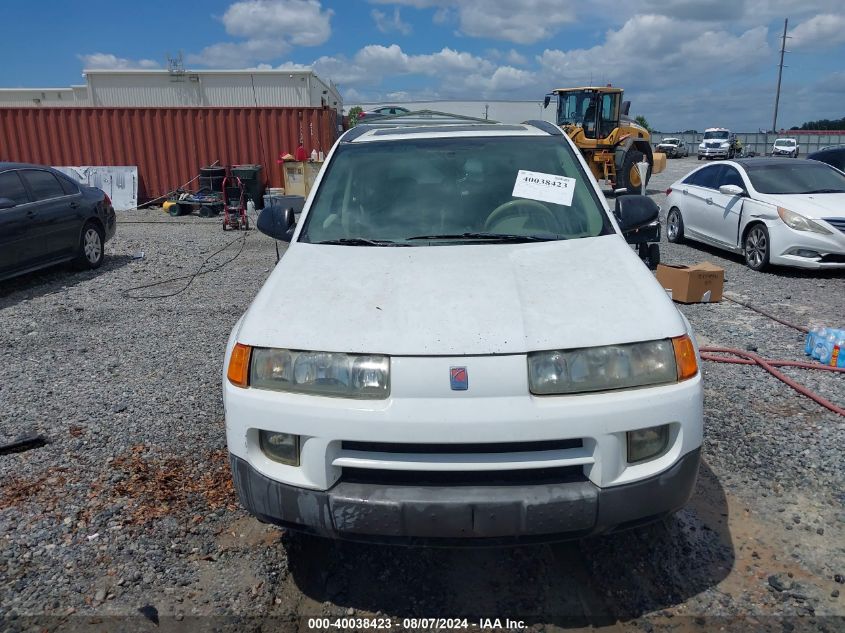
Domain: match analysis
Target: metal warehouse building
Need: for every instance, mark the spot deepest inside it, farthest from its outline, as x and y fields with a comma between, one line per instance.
x=492, y=109
x=135, y=88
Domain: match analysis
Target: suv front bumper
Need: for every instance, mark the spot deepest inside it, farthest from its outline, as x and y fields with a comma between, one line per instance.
x=466, y=514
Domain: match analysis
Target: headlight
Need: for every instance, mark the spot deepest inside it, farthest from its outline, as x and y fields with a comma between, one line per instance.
x=321, y=373
x=701, y=146
x=800, y=223
x=725, y=143
x=611, y=367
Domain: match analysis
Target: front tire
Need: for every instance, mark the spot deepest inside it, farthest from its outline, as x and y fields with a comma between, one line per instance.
x=675, y=226
x=630, y=175
x=91, y=247
x=757, y=247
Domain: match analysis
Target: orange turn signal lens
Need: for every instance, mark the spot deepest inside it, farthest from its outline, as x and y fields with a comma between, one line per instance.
x=685, y=358
x=238, y=372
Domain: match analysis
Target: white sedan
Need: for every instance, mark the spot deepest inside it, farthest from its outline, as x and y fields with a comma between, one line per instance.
x=772, y=211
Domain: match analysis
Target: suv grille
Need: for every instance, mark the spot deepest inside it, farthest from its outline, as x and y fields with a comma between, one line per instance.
x=533, y=476
x=462, y=449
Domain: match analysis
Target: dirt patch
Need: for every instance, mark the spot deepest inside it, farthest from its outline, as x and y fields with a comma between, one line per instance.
x=157, y=487
x=18, y=490
x=145, y=485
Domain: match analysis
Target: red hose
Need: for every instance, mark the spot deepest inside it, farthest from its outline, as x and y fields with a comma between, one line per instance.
x=750, y=358
x=800, y=328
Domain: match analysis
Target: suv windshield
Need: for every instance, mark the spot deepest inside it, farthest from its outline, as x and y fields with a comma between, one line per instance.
x=809, y=177
x=725, y=135
x=784, y=141
x=420, y=192
x=671, y=141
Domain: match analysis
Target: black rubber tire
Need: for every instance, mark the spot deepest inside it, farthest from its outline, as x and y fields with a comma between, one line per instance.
x=632, y=157
x=675, y=237
x=85, y=257
x=699, y=158
x=205, y=211
x=653, y=256
x=756, y=247
x=175, y=209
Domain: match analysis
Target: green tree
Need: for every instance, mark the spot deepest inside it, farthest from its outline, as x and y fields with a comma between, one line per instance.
x=824, y=124
x=353, y=115
x=643, y=122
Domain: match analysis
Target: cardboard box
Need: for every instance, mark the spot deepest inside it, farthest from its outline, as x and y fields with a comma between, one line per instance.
x=699, y=283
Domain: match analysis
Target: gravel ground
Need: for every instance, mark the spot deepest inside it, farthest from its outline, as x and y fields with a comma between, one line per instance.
x=129, y=513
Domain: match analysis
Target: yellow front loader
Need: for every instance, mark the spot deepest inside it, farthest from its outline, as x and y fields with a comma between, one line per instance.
x=596, y=119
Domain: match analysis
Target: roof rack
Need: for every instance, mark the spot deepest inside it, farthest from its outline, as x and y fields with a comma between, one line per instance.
x=545, y=126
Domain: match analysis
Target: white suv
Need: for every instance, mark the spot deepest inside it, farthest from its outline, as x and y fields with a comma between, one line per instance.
x=459, y=345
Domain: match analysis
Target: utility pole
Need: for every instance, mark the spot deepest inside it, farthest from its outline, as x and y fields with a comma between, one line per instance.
x=780, y=73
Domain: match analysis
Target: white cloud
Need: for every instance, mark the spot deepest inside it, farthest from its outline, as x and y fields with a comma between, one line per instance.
x=820, y=31
x=652, y=43
x=303, y=22
x=112, y=62
x=516, y=58
x=523, y=22
x=269, y=28
x=388, y=24
x=458, y=73
x=373, y=63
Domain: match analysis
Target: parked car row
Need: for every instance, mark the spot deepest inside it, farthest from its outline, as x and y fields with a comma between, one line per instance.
x=47, y=218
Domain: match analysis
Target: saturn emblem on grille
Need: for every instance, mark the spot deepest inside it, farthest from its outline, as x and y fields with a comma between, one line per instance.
x=459, y=378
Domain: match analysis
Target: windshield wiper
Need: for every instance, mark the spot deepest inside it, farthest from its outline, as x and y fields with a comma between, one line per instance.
x=360, y=241
x=826, y=191
x=493, y=237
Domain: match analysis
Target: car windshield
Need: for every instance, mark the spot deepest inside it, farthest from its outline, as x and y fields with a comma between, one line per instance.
x=784, y=141
x=420, y=192
x=790, y=178
x=717, y=135
x=671, y=141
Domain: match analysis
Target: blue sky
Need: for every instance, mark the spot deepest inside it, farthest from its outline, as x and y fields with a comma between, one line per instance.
x=683, y=63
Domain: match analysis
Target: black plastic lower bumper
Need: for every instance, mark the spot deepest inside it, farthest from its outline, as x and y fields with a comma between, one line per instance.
x=465, y=514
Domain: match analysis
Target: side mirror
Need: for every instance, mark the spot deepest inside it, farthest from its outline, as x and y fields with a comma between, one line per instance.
x=731, y=190
x=626, y=108
x=547, y=101
x=277, y=222
x=7, y=203
x=633, y=211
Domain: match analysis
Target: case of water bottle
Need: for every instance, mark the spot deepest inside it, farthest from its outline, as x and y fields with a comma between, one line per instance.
x=826, y=345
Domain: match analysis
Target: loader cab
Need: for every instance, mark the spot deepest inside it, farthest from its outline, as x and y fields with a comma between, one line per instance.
x=596, y=110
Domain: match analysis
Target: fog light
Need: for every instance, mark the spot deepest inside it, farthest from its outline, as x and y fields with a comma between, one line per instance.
x=647, y=443
x=803, y=252
x=280, y=447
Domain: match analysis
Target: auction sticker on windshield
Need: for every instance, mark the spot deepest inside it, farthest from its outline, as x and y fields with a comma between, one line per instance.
x=535, y=185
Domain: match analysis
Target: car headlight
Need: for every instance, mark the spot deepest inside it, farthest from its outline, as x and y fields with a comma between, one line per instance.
x=800, y=223
x=611, y=367
x=701, y=146
x=725, y=144
x=364, y=376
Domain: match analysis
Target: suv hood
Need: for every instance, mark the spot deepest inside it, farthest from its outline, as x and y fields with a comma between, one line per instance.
x=460, y=299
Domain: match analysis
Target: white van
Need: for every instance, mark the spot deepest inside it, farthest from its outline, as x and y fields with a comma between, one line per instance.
x=458, y=346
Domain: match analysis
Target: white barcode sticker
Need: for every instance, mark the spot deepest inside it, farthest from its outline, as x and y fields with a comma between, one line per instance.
x=535, y=185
